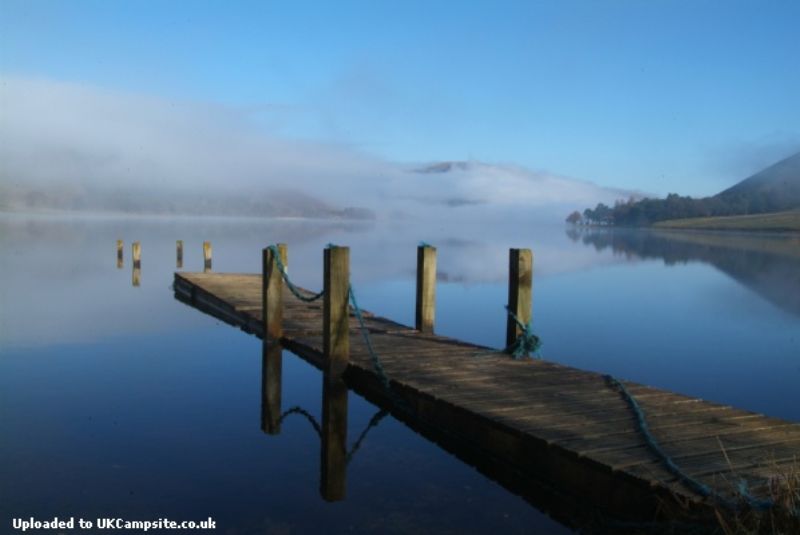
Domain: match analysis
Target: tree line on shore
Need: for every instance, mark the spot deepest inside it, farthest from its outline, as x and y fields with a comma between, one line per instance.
x=645, y=212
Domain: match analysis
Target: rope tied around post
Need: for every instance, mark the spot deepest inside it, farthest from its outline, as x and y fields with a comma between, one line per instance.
x=294, y=289
x=526, y=342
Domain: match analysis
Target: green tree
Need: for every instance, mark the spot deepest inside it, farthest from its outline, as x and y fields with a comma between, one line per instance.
x=574, y=218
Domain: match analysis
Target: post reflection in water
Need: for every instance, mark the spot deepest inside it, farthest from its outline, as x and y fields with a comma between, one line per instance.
x=332, y=431
x=120, y=258
x=137, y=274
x=271, y=366
x=333, y=464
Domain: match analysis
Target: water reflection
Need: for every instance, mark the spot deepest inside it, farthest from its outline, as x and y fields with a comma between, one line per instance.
x=335, y=458
x=136, y=277
x=206, y=256
x=332, y=431
x=333, y=452
x=120, y=258
x=769, y=265
x=271, y=376
x=179, y=254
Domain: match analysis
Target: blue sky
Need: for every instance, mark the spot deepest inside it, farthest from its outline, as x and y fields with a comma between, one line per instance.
x=655, y=96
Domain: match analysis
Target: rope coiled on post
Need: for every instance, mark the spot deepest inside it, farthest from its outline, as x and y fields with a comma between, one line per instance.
x=526, y=342
x=294, y=289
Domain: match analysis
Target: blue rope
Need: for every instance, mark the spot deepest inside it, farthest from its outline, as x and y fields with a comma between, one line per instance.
x=294, y=289
x=674, y=469
x=399, y=402
x=526, y=343
x=376, y=361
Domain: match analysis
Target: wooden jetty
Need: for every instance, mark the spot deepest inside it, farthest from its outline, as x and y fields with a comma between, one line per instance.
x=559, y=425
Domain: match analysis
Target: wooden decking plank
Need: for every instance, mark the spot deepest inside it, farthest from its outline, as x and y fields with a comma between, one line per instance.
x=677, y=434
x=679, y=429
x=708, y=453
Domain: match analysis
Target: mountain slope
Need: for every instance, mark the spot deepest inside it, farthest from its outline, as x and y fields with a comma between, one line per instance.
x=772, y=189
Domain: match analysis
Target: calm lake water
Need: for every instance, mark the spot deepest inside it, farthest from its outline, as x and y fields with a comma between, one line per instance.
x=119, y=401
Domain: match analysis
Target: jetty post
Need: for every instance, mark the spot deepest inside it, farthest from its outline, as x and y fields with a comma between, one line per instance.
x=520, y=284
x=272, y=291
x=426, y=288
x=336, y=353
x=206, y=256
x=120, y=260
x=136, y=253
x=179, y=254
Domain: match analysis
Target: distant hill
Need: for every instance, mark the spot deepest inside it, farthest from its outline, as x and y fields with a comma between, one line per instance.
x=444, y=167
x=774, y=189
x=459, y=183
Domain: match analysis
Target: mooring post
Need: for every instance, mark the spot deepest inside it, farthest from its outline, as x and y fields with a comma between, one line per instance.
x=336, y=349
x=179, y=254
x=520, y=281
x=426, y=288
x=272, y=291
x=206, y=256
x=120, y=245
x=136, y=253
x=271, y=368
x=335, y=315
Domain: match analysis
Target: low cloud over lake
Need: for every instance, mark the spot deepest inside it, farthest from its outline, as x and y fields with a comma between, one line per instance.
x=73, y=146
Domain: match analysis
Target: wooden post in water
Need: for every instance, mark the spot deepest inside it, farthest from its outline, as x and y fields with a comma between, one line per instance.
x=426, y=288
x=206, y=256
x=272, y=291
x=271, y=368
x=136, y=253
x=335, y=314
x=520, y=281
x=120, y=258
x=336, y=350
x=179, y=254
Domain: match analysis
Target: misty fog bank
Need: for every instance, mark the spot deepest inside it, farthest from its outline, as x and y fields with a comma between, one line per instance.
x=67, y=146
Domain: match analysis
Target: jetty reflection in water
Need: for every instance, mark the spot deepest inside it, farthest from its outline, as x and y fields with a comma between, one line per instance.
x=767, y=264
x=332, y=432
x=335, y=456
